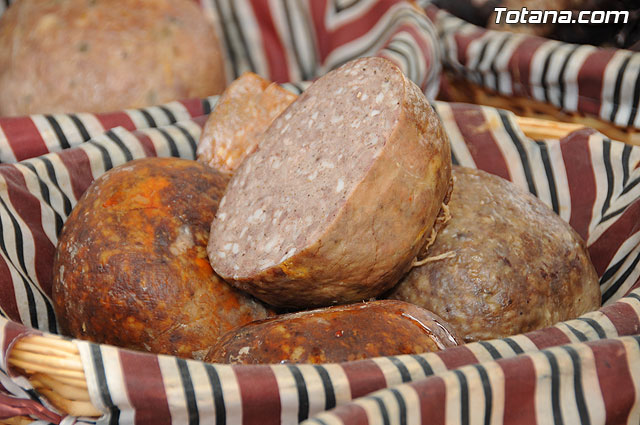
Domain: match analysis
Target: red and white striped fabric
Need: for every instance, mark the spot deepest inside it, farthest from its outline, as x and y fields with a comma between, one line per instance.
x=580, y=371
x=561, y=382
x=601, y=82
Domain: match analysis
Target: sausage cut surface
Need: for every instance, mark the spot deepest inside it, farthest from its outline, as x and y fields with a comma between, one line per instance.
x=339, y=196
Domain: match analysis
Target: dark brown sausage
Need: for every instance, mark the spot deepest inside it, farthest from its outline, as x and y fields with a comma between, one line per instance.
x=336, y=334
x=515, y=265
x=341, y=194
x=131, y=267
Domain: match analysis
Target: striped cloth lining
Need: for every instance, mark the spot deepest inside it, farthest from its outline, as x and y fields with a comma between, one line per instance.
x=37, y=194
x=287, y=40
x=576, y=78
x=27, y=137
x=583, y=383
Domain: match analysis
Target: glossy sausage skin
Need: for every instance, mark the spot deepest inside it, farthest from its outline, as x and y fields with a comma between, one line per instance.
x=131, y=267
x=336, y=334
x=341, y=194
x=515, y=265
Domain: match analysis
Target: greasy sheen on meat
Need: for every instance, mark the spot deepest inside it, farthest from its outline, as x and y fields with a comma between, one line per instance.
x=336, y=334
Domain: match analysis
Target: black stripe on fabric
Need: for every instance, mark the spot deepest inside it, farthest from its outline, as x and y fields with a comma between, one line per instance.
x=148, y=118
x=626, y=155
x=3, y=313
x=555, y=388
x=192, y=142
x=546, y=162
x=563, y=71
x=189, y=392
x=514, y=345
x=329, y=392
x=231, y=53
x=454, y=159
x=384, y=413
x=64, y=143
x=613, y=214
x=218, y=395
x=488, y=393
x=577, y=385
x=118, y=141
x=464, y=397
x=618, y=88
x=51, y=173
x=606, y=160
x=402, y=406
x=173, y=148
x=521, y=151
x=241, y=36
x=339, y=6
x=495, y=354
x=44, y=192
x=630, y=186
x=306, y=74
x=411, y=65
x=206, y=107
x=101, y=378
x=545, y=71
x=636, y=102
x=424, y=364
x=303, y=394
x=33, y=316
x=412, y=51
x=402, y=368
x=612, y=270
x=595, y=325
x=170, y=116
x=507, y=37
x=621, y=280
x=81, y=127
x=483, y=52
x=106, y=158
x=634, y=296
x=581, y=336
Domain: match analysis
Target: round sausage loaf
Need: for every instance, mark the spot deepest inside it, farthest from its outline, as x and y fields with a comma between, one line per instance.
x=101, y=56
x=340, y=195
x=336, y=334
x=508, y=263
x=131, y=267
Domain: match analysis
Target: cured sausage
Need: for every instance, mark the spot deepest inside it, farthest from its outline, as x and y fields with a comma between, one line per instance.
x=508, y=264
x=244, y=111
x=341, y=194
x=336, y=334
x=131, y=267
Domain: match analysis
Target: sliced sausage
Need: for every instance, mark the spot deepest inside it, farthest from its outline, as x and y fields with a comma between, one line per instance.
x=244, y=111
x=341, y=194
